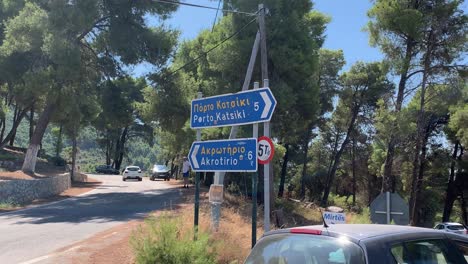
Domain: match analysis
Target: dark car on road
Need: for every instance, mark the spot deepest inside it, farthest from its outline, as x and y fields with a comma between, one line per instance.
x=107, y=169
x=359, y=244
x=160, y=172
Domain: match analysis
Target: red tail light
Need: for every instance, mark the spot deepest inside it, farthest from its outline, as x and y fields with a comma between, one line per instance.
x=301, y=230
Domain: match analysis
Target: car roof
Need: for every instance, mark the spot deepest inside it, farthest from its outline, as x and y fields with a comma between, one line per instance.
x=359, y=231
x=132, y=167
x=451, y=223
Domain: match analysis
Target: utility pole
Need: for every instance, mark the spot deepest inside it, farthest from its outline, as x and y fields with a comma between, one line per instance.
x=219, y=176
x=266, y=127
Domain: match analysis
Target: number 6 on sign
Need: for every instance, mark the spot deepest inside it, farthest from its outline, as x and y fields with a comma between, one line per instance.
x=266, y=150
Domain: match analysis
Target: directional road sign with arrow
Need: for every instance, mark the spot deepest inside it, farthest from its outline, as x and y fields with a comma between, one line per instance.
x=248, y=107
x=224, y=155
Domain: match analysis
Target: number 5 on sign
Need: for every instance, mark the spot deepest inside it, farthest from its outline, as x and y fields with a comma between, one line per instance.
x=266, y=150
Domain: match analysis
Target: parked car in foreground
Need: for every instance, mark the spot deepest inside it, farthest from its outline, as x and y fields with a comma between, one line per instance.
x=456, y=228
x=161, y=172
x=106, y=169
x=359, y=244
x=132, y=172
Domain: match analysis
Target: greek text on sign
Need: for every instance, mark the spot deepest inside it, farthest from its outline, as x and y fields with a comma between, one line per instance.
x=241, y=108
x=224, y=155
x=334, y=218
x=266, y=150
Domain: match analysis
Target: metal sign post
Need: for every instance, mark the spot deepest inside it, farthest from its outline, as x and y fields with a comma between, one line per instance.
x=254, y=186
x=266, y=126
x=388, y=207
x=197, y=187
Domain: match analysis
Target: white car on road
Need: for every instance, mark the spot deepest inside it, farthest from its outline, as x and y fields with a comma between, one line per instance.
x=452, y=228
x=132, y=172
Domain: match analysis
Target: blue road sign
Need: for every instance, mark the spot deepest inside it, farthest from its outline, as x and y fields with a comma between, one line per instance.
x=248, y=107
x=224, y=155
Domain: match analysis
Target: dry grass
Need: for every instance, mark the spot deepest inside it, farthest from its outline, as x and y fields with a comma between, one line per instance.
x=232, y=241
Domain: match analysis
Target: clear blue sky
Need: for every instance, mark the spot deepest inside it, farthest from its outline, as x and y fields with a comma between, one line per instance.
x=344, y=32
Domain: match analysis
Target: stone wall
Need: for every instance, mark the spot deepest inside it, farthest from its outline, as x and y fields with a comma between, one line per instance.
x=25, y=191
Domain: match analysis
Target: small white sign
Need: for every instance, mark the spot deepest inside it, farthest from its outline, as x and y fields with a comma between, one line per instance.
x=216, y=193
x=334, y=218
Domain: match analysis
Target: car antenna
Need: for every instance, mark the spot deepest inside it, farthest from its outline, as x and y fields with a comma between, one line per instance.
x=323, y=219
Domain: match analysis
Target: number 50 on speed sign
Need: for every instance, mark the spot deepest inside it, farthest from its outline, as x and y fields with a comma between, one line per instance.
x=266, y=150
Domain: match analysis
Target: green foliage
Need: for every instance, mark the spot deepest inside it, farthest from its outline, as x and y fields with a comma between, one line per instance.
x=161, y=241
x=362, y=218
x=7, y=206
x=340, y=201
x=459, y=124
x=5, y=156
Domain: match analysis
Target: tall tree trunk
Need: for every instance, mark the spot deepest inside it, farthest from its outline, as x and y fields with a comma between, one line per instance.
x=58, y=146
x=14, y=129
x=387, y=185
x=353, y=164
x=464, y=208
x=420, y=124
x=304, y=160
x=369, y=189
x=29, y=164
x=120, y=148
x=284, y=168
x=2, y=131
x=451, y=193
x=108, y=148
x=31, y=122
x=15, y=125
x=419, y=182
x=172, y=165
x=116, y=154
x=74, y=151
x=336, y=159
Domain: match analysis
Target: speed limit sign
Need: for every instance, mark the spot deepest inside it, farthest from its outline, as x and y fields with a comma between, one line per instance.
x=266, y=150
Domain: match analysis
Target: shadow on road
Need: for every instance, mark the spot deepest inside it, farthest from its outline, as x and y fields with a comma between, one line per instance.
x=99, y=208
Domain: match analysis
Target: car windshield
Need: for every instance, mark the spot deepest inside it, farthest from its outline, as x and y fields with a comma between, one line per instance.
x=133, y=168
x=160, y=167
x=307, y=249
x=455, y=227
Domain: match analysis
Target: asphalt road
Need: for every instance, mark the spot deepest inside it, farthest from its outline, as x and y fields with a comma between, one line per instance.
x=27, y=236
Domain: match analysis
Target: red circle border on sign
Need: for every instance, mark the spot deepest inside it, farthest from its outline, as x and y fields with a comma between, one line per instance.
x=272, y=150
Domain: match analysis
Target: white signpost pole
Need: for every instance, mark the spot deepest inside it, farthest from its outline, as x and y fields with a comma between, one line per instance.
x=254, y=186
x=266, y=126
x=266, y=175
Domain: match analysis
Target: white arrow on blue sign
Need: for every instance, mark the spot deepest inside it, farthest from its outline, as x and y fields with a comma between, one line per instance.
x=224, y=155
x=248, y=107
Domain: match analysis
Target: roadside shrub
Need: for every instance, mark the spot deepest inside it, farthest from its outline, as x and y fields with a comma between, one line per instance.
x=163, y=240
x=362, y=218
x=8, y=204
x=339, y=201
